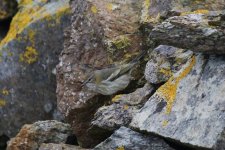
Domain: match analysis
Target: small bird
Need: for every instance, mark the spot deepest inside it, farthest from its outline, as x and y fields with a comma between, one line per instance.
x=110, y=80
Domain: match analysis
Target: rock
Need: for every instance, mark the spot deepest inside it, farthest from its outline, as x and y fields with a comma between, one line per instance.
x=51, y=146
x=164, y=61
x=198, y=32
x=125, y=138
x=122, y=110
x=7, y=8
x=28, y=55
x=31, y=136
x=189, y=107
x=155, y=10
x=102, y=34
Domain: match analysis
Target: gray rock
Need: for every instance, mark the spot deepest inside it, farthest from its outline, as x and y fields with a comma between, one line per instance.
x=198, y=32
x=125, y=138
x=52, y=146
x=28, y=55
x=32, y=136
x=189, y=108
x=164, y=61
x=122, y=110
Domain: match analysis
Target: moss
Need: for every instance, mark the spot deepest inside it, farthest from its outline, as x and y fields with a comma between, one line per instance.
x=30, y=56
x=2, y=102
x=169, y=89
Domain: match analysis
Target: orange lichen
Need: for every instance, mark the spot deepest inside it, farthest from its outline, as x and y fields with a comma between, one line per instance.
x=2, y=102
x=169, y=90
x=29, y=56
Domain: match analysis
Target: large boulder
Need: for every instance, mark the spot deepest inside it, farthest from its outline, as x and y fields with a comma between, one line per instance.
x=31, y=136
x=199, y=32
x=28, y=55
x=7, y=8
x=189, y=107
x=125, y=138
x=102, y=34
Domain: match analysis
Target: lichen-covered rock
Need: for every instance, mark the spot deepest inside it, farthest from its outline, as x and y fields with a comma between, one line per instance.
x=51, y=146
x=125, y=138
x=7, y=8
x=199, y=32
x=122, y=109
x=31, y=136
x=164, y=61
x=28, y=56
x=155, y=10
x=102, y=34
x=189, y=107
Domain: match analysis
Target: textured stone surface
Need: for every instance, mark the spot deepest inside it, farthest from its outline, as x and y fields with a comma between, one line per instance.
x=32, y=136
x=125, y=138
x=199, y=32
x=7, y=8
x=122, y=109
x=164, y=61
x=189, y=108
x=51, y=146
x=102, y=34
x=28, y=55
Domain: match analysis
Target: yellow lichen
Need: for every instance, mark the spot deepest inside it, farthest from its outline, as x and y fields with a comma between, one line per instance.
x=5, y=92
x=169, y=89
x=165, y=123
x=120, y=148
x=2, y=102
x=125, y=107
x=199, y=11
x=116, y=98
x=94, y=9
x=166, y=72
x=29, y=56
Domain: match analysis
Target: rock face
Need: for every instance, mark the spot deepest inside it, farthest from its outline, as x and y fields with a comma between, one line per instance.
x=28, y=55
x=7, y=8
x=164, y=61
x=32, y=136
x=199, y=32
x=121, y=112
x=52, y=146
x=125, y=138
x=189, y=108
x=101, y=34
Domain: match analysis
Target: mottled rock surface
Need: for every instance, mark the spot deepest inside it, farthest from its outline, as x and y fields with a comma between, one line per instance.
x=51, y=146
x=7, y=8
x=28, y=55
x=164, y=61
x=125, y=138
x=122, y=109
x=102, y=34
x=189, y=108
x=198, y=32
x=31, y=136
